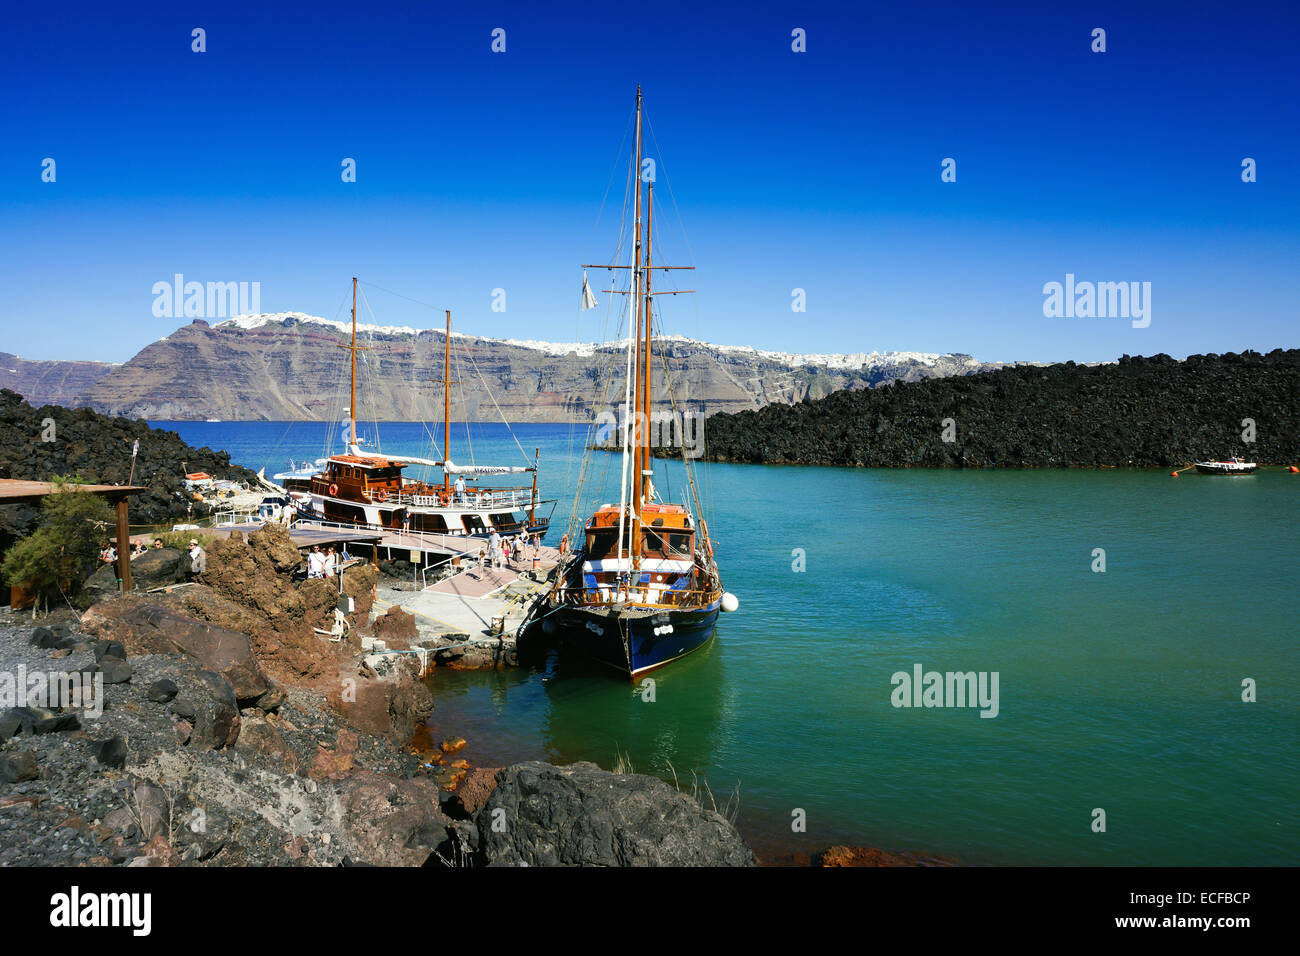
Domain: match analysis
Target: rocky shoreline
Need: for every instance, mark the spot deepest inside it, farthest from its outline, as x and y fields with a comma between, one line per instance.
x=266, y=744
x=1139, y=412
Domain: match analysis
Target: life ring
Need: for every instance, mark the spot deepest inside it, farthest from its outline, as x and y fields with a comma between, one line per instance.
x=381, y=495
x=334, y=490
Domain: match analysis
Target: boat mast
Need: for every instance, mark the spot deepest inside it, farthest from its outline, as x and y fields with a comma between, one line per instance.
x=633, y=329
x=644, y=484
x=352, y=402
x=354, y=349
x=446, y=407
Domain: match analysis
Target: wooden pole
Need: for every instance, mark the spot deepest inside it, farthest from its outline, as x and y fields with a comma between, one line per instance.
x=644, y=483
x=446, y=408
x=634, y=328
x=123, y=545
x=352, y=407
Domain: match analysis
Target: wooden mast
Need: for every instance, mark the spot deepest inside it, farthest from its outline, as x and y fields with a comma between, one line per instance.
x=446, y=408
x=643, y=484
x=629, y=488
x=352, y=402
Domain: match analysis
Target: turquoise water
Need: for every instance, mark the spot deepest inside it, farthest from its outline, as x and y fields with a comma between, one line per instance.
x=1118, y=690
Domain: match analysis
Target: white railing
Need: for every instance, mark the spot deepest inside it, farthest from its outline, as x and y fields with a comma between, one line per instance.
x=465, y=501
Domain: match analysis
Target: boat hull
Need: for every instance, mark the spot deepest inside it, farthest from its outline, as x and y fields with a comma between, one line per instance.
x=636, y=641
x=1226, y=468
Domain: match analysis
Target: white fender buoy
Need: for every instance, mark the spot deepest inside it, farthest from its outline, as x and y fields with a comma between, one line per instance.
x=730, y=602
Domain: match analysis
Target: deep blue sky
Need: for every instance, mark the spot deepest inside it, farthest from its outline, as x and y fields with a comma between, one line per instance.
x=817, y=170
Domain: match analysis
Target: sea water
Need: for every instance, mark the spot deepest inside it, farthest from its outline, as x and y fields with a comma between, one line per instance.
x=1125, y=615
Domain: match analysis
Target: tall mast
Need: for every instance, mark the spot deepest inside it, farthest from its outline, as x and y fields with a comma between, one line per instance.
x=354, y=349
x=352, y=402
x=446, y=407
x=644, y=483
x=627, y=490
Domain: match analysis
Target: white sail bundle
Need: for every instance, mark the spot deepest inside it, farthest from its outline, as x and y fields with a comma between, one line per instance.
x=454, y=469
x=588, y=297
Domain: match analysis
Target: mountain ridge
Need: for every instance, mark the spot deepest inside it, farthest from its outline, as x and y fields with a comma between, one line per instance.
x=291, y=366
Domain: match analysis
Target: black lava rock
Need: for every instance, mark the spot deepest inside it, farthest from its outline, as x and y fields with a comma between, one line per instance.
x=115, y=670
x=162, y=691
x=581, y=815
x=43, y=637
x=1139, y=412
x=18, y=766
x=111, y=752
x=105, y=649
x=38, y=720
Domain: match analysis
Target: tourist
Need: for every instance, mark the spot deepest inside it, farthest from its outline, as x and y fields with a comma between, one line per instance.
x=460, y=488
x=564, y=544
x=331, y=562
x=482, y=557
x=315, y=563
x=157, y=544
x=198, y=559
x=494, y=549
x=406, y=522
x=537, y=552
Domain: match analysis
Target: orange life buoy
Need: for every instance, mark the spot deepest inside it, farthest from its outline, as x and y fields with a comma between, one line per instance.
x=334, y=489
x=381, y=495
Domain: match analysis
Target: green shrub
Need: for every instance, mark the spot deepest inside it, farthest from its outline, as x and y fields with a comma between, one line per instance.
x=64, y=548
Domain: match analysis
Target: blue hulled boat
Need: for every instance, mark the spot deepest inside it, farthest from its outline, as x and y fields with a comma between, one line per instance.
x=640, y=587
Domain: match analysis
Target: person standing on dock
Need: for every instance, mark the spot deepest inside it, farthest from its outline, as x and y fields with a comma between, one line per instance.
x=460, y=488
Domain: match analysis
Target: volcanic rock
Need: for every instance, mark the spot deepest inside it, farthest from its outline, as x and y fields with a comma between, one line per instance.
x=207, y=701
x=147, y=628
x=1140, y=412
x=580, y=815
x=18, y=766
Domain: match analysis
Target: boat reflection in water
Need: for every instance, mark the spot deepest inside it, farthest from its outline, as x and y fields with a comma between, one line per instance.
x=567, y=709
x=670, y=720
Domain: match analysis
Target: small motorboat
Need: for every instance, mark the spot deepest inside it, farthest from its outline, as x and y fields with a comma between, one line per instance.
x=1233, y=466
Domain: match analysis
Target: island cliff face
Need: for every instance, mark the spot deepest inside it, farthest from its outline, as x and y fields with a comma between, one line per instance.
x=1142, y=412
x=49, y=382
x=288, y=367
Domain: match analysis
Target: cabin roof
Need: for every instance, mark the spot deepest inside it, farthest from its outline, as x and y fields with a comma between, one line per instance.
x=358, y=462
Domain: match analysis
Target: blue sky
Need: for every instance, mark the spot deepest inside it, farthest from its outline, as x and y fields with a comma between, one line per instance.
x=816, y=170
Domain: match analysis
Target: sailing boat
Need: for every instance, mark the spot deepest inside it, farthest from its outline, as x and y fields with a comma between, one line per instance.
x=368, y=489
x=641, y=587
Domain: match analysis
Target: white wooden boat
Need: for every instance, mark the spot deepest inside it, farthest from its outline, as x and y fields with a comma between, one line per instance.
x=1233, y=466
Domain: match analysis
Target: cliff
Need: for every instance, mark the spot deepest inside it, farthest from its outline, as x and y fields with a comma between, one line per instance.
x=289, y=367
x=49, y=382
